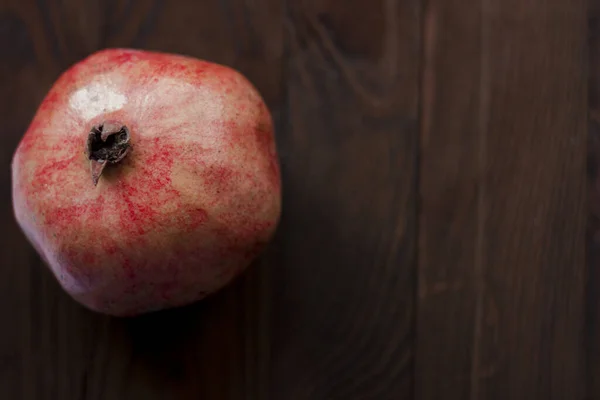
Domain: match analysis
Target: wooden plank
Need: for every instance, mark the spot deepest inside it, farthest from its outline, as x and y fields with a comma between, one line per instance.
x=50, y=348
x=501, y=293
x=344, y=288
x=592, y=342
x=448, y=221
x=593, y=229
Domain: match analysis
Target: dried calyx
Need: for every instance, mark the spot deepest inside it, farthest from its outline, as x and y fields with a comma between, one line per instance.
x=108, y=143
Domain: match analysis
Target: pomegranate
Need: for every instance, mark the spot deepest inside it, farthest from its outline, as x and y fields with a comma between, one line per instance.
x=147, y=180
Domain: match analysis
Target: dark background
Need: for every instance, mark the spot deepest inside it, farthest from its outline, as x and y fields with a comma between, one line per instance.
x=433, y=238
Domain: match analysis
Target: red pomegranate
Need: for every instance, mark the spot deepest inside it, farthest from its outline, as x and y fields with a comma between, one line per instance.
x=147, y=180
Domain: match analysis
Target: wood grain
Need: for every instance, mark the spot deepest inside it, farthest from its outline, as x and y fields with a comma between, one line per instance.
x=343, y=300
x=449, y=187
x=501, y=294
x=592, y=330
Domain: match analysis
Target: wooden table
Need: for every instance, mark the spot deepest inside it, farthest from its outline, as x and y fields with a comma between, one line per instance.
x=433, y=239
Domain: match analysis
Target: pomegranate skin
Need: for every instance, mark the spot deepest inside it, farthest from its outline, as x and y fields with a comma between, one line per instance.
x=191, y=205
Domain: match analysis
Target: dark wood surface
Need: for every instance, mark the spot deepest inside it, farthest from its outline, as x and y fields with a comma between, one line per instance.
x=437, y=209
x=501, y=257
